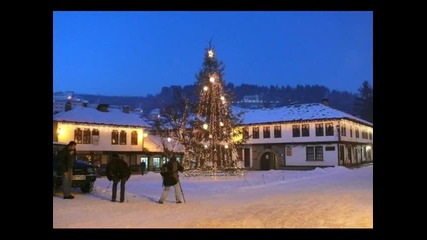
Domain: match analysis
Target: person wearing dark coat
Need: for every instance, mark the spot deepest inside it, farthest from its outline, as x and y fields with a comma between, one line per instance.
x=172, y=180
x=118, y=171
x=67, y=158
x=143, y=167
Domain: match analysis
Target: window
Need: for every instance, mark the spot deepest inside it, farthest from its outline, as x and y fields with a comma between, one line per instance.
x=115, y=137
x=369, y=154
x=144, y=160
x=364, y=157
x=370, y=136
x=341, y=153
x=314, y=153
x=266, y=132
x=305, y=131
x=86, y=136
x=78, y=135
x=364, y=135
x=296, y=132
x=123, y=137
x=349, y=152
x=277, y=131
x=156, y=162
x=343, y=131
x=351, y=132
x=134, y=138
x=245, y=133
x=95, y=136
x=331, y=148
x=329, y=129
x=319, y=129
x=357, y=133
x=319, y=153
x=309, y=152
x=255, y=132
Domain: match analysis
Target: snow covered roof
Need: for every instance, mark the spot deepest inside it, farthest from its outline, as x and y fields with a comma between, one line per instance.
x=154, y=144
x=91, y=115
x=293, y=113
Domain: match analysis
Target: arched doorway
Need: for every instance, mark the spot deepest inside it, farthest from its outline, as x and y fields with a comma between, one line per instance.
x=268, y=161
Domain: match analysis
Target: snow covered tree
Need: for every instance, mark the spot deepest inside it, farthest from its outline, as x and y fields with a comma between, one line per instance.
x=214, y=127
x=175, y=122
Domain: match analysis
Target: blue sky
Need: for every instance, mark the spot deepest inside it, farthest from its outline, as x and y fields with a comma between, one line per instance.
x=138, y=53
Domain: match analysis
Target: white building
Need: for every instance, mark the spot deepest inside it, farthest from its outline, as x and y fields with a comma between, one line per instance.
x=102, y=131
x=304, y=135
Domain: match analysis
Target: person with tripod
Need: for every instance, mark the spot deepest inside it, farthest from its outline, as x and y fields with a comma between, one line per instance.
x=171, y=178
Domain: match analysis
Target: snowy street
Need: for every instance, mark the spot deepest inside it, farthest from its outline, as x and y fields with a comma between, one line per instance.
x=323, y=198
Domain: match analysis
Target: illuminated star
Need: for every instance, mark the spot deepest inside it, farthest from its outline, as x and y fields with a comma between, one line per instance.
x=210, y=53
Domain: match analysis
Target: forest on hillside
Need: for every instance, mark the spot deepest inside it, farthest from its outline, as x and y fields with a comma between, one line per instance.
x=271, y=96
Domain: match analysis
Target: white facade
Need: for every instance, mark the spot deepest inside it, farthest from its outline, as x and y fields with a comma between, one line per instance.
x=100, y=133
x=297, y=156
x=307, y=135
x=101, y=142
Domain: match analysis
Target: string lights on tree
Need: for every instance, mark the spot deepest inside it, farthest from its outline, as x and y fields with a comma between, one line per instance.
x=213, y=126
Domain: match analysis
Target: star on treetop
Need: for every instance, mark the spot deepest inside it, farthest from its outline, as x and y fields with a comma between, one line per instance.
x=211, y=53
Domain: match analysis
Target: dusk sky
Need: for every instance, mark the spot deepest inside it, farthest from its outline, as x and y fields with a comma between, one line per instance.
x=138, y=53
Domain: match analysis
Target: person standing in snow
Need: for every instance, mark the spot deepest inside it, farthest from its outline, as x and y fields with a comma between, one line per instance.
x=172, y=180
x=67, y=158
x=143, y=167
x=118, y=171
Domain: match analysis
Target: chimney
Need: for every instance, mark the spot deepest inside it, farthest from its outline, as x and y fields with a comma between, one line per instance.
x=325, y=102
x=125, y=109
x=102, y=107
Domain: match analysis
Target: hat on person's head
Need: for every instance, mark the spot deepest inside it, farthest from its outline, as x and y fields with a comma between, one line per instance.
x=72, y=143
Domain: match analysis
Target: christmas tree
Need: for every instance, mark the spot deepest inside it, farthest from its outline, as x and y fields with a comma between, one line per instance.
x=214, y=128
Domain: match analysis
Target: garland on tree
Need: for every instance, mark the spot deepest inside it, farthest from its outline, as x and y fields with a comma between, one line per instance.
x=214, y=128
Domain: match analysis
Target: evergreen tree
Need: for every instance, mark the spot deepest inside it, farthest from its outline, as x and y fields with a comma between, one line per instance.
x=363, y=105
x=214, y=126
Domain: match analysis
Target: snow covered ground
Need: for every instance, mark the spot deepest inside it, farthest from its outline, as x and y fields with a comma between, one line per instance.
x=322, y=198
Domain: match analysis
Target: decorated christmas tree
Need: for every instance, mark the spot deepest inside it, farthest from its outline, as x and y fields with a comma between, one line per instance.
x=214, y=132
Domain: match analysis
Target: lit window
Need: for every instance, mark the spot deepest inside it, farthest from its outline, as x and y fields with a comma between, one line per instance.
x=305, y=130
x=255, y=132
x=266, y=132
x=86, y=136
x=78, y=135
x=277, y=131
x=123, y=137
x=134, y=138
x=115, y=137
x=296, y=132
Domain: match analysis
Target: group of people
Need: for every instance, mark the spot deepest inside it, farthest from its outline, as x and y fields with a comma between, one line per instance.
x=118, y=171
